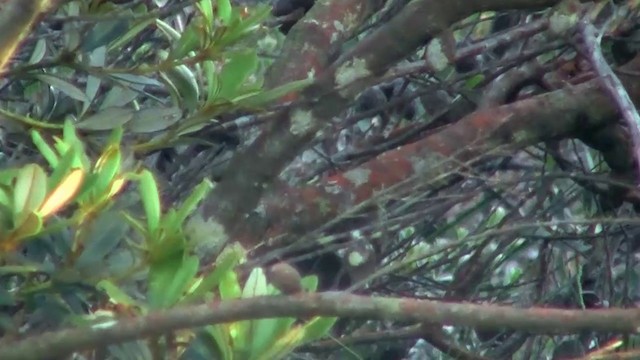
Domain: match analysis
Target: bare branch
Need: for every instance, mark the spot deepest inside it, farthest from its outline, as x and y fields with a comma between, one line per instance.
x=532, y=320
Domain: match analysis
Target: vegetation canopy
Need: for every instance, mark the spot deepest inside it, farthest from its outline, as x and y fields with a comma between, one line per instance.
x=330, y=179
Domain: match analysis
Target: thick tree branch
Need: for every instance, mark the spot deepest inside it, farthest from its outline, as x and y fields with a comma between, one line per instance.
x=532, y=320
x=565, y=113
x=612, y=85
x=254, y=169
x=16, y=19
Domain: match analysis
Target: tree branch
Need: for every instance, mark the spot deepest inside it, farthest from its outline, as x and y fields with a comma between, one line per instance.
x=532, y=320
x=252, y=171
x=16, y=19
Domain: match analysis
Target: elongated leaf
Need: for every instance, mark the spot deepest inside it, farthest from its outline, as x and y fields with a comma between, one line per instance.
x=130, y=34
x=190, y=40
x=206, y=7
x=106, y=169
x=38, y=51
x=63, y=193
x=222, y=339
x=265, y=333
x=29, y=191
x=151, y=201
x=169, y=279
x=64, y=167
x=224, y=11
x=66, y=87
x=154, y=119
x=236, y=70
x=191, y=203
x=5, y=197
x=284, y=345
x=172, y=34
x=213, y=85
x=45, y=150
x=309, y=283
x=116, y=294
x=225, y=264
x=104, y=235
x=229, y=286
x=256, y=284
x=31, y=225
x=183, y=81
x=96, y=59
x=103, y=33
x=318, y=328
x=269, y=96
x=106, y=119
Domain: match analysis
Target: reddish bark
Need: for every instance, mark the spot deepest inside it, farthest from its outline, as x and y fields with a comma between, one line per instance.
x=255, y=169
x=562, y=114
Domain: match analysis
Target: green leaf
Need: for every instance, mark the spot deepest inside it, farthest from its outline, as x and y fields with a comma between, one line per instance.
x=191, y=203
x=106, y=119
x=115, y=293
x=69, y=134
x=134, y=223
x=104, y=32
x=461, y=232
x=5, y=198
x=206, y=8
x=213, y=85
x=171, y=33
x=184, y=82
x=224, y=11
x=256, y=284
x=265, y=333
x=106, y=170
x=130, y=34
x=236, y=71
x=222, y=338
x=6, y=298
x=30, y=190
x=116, y=137
x=66, y=87
x=225, y=263
x=309, y=283
x=229, y=286
x=45, y=150
x=474, y=81
x=496, y=217
x=104, y=235
x=245, y=26
x=96, y=59
x=118, y=96
x=318, y=328
x=190, y=40
x=284, y=345
x=65, y=165
x=151, y=201
x=31, y=225
x=269, y=96
x=169, y=279
x=154, y=119
x=38, y=51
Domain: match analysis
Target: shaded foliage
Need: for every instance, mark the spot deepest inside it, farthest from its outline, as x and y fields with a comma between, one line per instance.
x=163, y=106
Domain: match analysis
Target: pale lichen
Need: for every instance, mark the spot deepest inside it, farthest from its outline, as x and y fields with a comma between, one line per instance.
x=560, y=22
x=351, y=71
x=206, y=235
x=358, y=176
x=301, y=121
x=436, y=55
x=356, y=259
